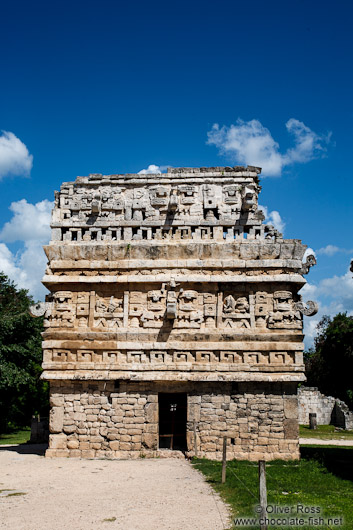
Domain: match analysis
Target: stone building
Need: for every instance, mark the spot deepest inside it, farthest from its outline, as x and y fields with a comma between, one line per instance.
x=174, y=318
x=328, y=409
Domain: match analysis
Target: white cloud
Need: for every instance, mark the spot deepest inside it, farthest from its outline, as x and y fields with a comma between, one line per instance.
x=14, y=156
x=152, y=169
x=30, y=224
x=252, y=143
x=273, y=218
x=26, y=267
x=331, y=250
x=334, y=295
x=9, y=267
x=308, y=144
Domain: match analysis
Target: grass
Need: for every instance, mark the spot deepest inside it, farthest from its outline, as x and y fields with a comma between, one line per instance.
x=323, y=477
x=325, y=432
x=16, y=437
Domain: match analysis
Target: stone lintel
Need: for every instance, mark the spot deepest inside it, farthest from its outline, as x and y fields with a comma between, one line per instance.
x=175, y=345
x=88, y=375
x=158, y=278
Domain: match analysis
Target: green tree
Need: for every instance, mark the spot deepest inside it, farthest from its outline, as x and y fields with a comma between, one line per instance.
x=22, y=393
x=329, y=365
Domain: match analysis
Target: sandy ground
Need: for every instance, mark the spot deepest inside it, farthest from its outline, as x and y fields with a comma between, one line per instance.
x=320, y=441
x=65, y=494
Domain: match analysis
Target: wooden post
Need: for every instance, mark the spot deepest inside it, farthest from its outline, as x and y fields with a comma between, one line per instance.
x=312, y=420
x=263, y=492
x=224, y=460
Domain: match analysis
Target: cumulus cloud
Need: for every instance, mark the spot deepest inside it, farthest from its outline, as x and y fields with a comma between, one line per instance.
x=25, y=267
x=273, y=218
x=152, y=169
x=29, y=222
x=249, y=142
x=14, y=156
x=334, y=295
x=30, y=225
x=331, y=250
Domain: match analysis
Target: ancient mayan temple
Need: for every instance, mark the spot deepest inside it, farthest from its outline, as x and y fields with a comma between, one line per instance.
x=174, y=318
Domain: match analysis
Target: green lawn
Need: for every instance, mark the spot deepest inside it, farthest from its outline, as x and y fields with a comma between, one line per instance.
x=323, y=477
x=16, y=437
x=325, y=432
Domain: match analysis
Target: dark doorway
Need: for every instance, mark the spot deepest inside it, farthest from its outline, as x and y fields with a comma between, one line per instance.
x=172, y=421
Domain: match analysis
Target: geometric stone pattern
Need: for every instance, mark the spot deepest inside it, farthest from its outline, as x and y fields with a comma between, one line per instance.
x=171, y=279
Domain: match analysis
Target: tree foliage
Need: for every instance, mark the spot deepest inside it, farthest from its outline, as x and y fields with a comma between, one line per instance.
x=329, y=365
x=21, y=391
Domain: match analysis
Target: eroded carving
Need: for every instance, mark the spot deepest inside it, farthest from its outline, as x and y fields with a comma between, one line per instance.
x=309, y=310
x=284, y=314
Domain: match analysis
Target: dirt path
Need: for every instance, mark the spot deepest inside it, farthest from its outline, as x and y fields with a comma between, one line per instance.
x=320, y=441
x=61, y=494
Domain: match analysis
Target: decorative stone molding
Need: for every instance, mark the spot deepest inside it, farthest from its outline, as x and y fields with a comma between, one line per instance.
x=166, y=283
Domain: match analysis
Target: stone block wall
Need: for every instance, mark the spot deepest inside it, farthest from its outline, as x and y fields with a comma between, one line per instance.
x=310, y=400
x=261, y=421
x=106, y=419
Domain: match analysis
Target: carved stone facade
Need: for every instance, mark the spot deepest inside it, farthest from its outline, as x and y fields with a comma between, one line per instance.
x=172, y=308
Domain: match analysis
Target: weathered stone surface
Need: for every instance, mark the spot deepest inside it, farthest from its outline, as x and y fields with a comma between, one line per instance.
x=172, y=284
x=56, y=419
x=57, y=441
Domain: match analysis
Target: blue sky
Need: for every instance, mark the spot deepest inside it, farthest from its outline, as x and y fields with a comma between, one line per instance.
x=112, y=87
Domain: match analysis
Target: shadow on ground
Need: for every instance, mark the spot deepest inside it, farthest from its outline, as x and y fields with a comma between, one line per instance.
x=26, y=449
x=338, y=460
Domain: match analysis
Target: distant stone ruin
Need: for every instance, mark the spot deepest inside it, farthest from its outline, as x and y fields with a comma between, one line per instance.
x=174, y=318
x=328, y=410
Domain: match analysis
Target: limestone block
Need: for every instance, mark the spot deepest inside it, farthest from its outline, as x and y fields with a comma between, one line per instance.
x=151, y=428
x=69, y=429
x=149, y=440
x=194, y=412
x=73, y=444
x=79, y=416
x=57, y=441
x=291, y=408
x=56, y=419
x=74, y=453
x=62, y=453
x=125, y=446
x=96, y=439
x=56, y=400
x=151, y=411
x=88, y=453
x=291, y=429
